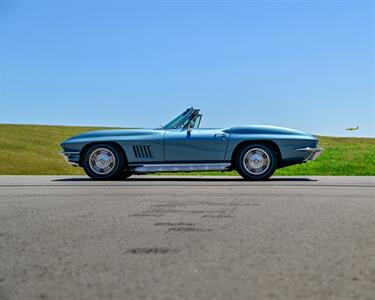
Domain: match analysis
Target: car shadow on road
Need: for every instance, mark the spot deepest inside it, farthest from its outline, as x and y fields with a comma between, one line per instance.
x=199, y=179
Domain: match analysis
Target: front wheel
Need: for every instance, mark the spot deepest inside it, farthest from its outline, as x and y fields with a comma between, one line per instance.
x=125, y=174
x=256, y=162
x=103, y=161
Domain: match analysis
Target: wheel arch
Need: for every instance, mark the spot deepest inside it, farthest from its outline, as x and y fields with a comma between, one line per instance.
x=114, y=144
x=268, y=143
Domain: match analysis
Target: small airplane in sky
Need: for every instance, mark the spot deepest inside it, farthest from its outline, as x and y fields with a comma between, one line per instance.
x=352, y=128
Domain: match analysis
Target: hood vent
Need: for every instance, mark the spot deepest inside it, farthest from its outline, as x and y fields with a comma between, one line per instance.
x=142, y=151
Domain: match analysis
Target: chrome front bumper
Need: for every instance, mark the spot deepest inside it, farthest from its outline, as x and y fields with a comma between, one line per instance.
x=312, y=153
x=71, y=158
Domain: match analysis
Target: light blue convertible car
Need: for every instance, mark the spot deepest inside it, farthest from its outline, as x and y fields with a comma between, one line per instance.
x=181, y=145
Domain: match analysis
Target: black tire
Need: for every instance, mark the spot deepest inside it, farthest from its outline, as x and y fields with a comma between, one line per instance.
x=261, y=153
x=112, y=154
x=125, y=174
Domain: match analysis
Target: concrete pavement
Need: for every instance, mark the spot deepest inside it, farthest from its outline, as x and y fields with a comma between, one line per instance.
x=153, y=237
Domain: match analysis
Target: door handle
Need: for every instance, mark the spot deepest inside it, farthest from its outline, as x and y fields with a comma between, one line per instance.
x=220, y=135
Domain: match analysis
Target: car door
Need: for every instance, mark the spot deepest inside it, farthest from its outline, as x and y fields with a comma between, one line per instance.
x=197, y=145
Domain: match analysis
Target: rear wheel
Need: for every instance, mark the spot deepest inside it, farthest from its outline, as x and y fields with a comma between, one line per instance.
x=256, y=162
x=103, y=161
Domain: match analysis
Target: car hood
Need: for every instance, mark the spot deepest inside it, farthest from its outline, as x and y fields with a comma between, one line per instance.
x=109, y=133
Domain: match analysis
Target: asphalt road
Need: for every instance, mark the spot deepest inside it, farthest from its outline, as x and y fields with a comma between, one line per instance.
x=187, y=238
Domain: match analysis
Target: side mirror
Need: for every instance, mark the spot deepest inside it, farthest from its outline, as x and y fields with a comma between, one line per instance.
x=189, y=129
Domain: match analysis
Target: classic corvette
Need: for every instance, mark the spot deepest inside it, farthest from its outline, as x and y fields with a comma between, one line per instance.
x=181, y=145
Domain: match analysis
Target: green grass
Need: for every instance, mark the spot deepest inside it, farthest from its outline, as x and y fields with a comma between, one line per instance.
x=341, y=156
x=33, y=150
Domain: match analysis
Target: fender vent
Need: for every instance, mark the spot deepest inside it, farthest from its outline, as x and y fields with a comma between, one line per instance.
x=142, y=151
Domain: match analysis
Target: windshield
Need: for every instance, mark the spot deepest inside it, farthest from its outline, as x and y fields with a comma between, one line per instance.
x=179, y=119
x=194, y=121
x=190, y=116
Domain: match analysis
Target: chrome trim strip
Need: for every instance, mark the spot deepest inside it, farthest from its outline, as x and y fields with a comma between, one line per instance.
x=310, y=149
x=150, y=168
x=68, y=153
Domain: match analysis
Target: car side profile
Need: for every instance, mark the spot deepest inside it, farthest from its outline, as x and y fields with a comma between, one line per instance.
x=255, y=151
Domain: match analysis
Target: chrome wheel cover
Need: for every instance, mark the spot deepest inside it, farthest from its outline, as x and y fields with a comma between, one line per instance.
x=102, y=161
x=256, y=161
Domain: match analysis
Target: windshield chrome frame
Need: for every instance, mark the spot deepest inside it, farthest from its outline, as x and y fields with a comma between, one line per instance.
x=183, y=119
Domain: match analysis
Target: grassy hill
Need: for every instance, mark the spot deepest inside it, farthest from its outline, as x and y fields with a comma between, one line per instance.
x=33, y=150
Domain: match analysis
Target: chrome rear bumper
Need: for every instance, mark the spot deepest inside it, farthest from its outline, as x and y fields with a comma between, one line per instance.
x=313, y=153
x=71, y=158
